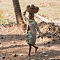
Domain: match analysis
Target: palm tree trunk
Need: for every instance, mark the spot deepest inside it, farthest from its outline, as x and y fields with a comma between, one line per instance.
x=18, y=13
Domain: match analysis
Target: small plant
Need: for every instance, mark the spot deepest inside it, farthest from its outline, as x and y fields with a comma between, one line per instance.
x=3, y=21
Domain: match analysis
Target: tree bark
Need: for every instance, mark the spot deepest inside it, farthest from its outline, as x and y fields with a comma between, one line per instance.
x=18, y=13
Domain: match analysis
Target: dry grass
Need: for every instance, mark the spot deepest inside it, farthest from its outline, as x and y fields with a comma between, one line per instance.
x=48, y=8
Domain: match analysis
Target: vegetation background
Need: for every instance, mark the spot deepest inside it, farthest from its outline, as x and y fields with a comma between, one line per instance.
x=48, y=8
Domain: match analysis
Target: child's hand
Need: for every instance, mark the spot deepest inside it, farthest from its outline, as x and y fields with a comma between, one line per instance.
x=38, y=37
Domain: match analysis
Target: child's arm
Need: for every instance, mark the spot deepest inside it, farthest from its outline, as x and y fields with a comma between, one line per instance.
x=36, y=25
x=25, y=19
x=37, y=28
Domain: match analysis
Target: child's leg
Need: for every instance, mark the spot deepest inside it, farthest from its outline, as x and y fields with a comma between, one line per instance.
x=29, y=49
x=35, y=48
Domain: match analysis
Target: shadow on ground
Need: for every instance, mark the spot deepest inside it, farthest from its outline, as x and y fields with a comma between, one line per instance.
x=49, y=54
x=12, y=37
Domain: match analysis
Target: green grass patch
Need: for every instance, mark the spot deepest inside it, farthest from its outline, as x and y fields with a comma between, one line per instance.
x=2, y=21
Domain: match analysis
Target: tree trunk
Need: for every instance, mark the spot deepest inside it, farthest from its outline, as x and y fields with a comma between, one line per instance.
x=18, y=13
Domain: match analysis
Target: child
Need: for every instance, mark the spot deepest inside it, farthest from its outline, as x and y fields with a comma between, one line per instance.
x=31, y=27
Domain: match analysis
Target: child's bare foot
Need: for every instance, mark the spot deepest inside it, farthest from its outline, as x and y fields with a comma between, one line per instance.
x=29, y=55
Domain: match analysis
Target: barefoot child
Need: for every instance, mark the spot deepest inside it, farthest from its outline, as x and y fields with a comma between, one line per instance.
x=31, y=27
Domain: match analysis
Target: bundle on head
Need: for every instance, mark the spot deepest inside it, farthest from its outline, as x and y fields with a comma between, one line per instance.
x=32, y=9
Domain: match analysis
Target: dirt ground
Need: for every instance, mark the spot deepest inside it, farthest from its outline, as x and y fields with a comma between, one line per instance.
x=13, y=46
x=17, y=49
